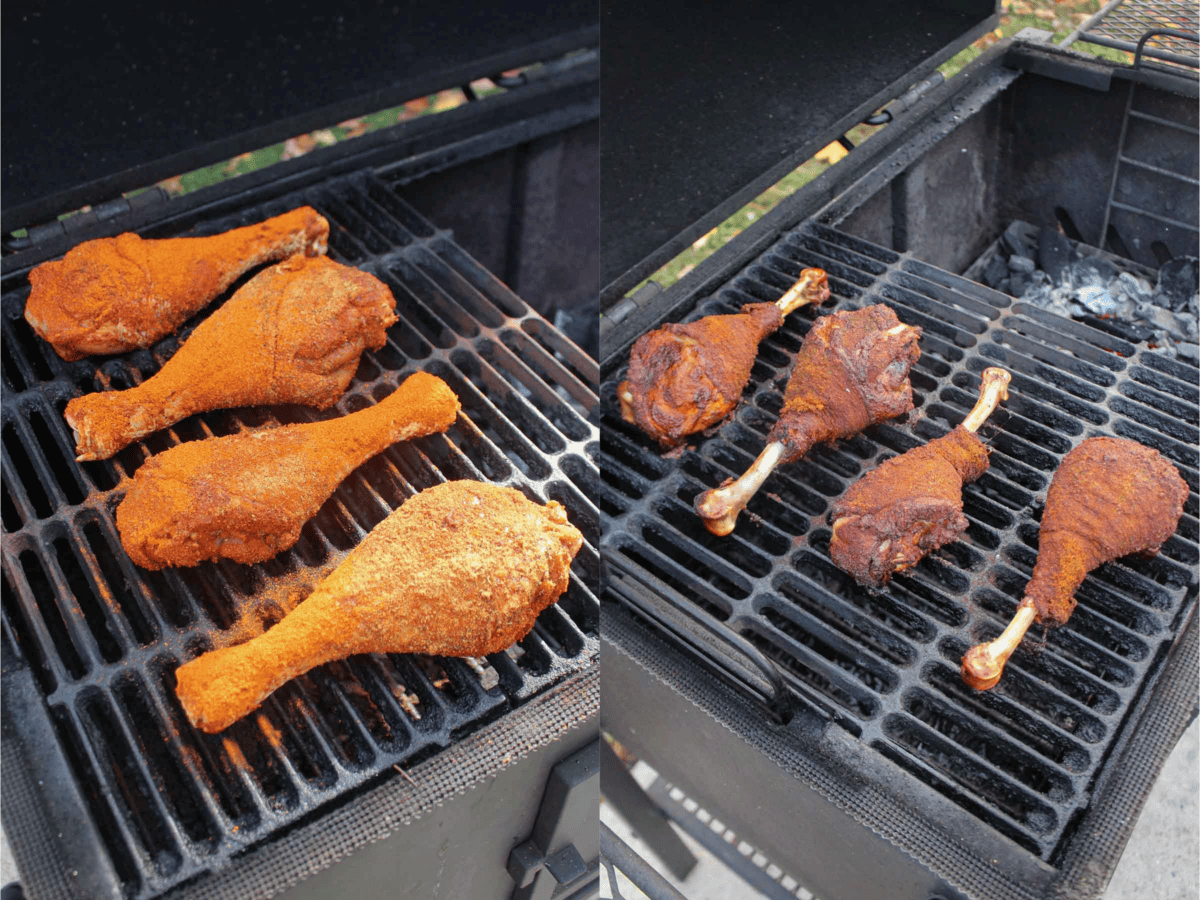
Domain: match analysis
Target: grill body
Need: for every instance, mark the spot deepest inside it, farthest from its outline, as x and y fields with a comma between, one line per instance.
x=109, y=792
x=862, y=722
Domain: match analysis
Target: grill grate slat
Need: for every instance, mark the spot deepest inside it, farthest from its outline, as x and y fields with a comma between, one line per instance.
x=1021, y=757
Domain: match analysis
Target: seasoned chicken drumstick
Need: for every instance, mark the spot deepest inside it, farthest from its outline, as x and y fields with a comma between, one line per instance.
x=1110, y=498
x=116, y=294
x=851, y=371
x=686, y=378
x=461, y=569
x=292, y=334
x=912, y=504
x=245, y=497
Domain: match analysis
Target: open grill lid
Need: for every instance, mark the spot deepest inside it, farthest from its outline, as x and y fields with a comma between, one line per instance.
x=702, y=113
x=103, y=101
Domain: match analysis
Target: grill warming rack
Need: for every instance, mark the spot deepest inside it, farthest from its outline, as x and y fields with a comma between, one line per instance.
x=103, y=638
x=1123, y=25
x=767, y=608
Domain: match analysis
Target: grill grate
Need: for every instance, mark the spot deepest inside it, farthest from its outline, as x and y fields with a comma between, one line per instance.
x=1123, y=23
x=768, y=607
x=103, y=638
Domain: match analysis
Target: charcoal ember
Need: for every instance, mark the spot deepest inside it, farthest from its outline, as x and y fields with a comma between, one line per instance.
x=995, y=271
x=1163, y=320
x=1055, y=254
x=1188, y=350
x=1023, y=264
x=1019, y=284
x=1094, y=269
x=1097, y=299
x=1179, y=281
x=1017, y=240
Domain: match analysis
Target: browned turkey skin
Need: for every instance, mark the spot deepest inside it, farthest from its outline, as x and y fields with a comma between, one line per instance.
x=851, y=371
x=911, y=505
x=1110, y=497
x=683, y=379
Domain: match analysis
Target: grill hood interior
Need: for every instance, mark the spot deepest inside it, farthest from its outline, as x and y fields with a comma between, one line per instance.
x=705, y=112
x=103, y=101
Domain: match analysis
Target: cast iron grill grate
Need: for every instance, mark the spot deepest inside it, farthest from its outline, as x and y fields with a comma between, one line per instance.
x=767, y=606
x=103, y=638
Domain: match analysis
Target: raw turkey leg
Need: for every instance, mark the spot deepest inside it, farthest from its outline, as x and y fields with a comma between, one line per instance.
x=461, y=569
x=245, y=497
x=116, y=294
x=292, y=334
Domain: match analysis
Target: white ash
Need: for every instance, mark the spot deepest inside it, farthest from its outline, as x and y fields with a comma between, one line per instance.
x=1084, y=291
x=1044, y=268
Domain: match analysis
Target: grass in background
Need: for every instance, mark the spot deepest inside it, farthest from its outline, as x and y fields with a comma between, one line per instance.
x=1061, y=18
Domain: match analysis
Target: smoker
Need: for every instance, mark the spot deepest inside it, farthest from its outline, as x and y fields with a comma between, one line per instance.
x=382, y=775
x=824, y=725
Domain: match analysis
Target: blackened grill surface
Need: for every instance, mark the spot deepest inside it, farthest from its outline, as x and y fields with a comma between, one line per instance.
x=103, y=638
x=1025, y=757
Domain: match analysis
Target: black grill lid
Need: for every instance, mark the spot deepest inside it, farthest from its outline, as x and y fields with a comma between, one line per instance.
x=101, y=99
x=703, y=112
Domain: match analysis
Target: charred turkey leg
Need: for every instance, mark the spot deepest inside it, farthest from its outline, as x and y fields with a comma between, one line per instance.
x=1110, y=498
x=686, y=378
x=851, y=371
x=910, y=505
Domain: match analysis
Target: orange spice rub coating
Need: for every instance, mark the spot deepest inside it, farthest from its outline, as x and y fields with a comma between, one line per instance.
x=292, y=334
x=461, y=569
x=685, y=378
x=1109, y=498
x=851, y=372
x=906, y=508
x=245, y=497
x=116, y=294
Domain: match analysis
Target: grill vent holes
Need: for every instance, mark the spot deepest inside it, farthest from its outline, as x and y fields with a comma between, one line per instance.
x=1160, y=251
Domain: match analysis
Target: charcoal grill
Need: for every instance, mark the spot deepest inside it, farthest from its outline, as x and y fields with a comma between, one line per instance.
x=827, y=725
x=378, y=773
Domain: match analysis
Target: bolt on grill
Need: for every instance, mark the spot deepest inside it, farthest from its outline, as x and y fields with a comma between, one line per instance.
x=767, y=607
x=103, y=638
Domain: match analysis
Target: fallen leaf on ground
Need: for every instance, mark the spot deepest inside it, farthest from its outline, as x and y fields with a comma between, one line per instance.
x=832, y=153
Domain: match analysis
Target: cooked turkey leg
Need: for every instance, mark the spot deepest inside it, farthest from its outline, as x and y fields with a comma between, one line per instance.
x=245, y=497
x=685, y=378
x=461, y=569
x=292, y=334
x=116, y=294
x=851, y=371
x=1110, y=498
x=911, y=504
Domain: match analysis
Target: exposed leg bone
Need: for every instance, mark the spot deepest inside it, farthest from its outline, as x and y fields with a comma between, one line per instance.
x=811, y=287
x=993, y=390
x=719, y=507
x=984, y=664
